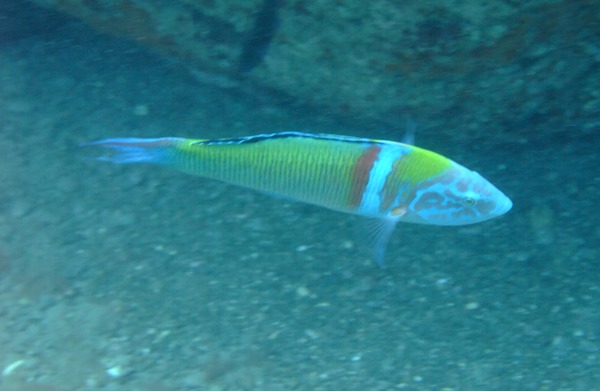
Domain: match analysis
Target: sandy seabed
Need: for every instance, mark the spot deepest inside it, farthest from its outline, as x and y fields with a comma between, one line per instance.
x=138, y=278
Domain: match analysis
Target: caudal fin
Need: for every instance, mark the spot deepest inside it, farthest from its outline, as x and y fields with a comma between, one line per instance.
x=139, y=150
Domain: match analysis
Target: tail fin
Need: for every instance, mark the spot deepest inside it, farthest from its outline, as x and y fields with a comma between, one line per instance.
x=139, y=150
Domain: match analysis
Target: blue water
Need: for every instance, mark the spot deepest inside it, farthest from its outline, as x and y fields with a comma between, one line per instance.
x=138, y=278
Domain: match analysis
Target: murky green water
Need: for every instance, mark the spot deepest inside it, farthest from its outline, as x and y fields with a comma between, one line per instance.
x=138, y=278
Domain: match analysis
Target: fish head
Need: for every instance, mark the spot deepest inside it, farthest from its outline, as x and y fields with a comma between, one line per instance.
x=458, y=196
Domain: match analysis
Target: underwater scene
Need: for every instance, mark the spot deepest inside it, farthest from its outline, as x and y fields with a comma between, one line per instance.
x=299, y=195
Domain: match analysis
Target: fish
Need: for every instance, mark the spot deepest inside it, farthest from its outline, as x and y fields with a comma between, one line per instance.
x=257, y=41
x=387, y=181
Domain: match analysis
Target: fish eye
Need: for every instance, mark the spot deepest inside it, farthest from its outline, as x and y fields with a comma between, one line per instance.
x=468, y=200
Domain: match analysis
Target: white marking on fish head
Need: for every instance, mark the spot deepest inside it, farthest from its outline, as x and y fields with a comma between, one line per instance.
x=459, y=196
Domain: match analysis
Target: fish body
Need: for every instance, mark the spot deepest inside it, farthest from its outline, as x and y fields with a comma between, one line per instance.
x=390, y=181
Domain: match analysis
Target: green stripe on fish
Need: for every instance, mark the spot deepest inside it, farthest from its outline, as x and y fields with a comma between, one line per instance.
x=386, y=180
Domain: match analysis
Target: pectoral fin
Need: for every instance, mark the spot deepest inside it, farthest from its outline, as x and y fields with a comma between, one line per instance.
x=410, y=132
x=381, y=231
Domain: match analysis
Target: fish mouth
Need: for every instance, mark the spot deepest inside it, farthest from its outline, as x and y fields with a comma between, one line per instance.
x=504, y=205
